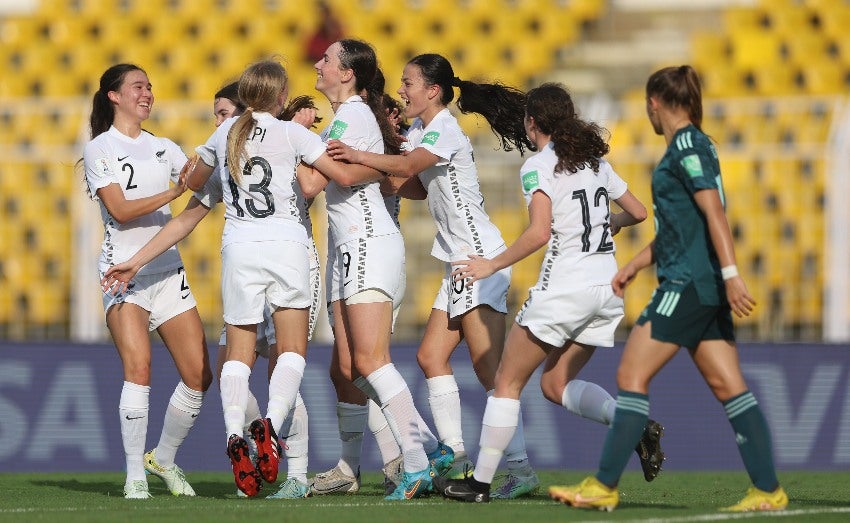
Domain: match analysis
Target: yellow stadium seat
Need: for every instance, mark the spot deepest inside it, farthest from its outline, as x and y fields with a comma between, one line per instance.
x=710, y=50
x=755, y=49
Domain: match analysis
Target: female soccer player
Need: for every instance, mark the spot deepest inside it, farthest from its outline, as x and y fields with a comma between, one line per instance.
x=698, y=289
x=571, y=309
x=366, y=259
x=442, y=161
x=128, y=171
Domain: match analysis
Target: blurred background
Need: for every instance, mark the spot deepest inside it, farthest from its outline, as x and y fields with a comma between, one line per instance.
x=776, y=79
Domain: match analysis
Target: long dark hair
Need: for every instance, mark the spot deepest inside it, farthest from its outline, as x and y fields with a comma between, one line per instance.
x=502, y=106
x=577, y=143
x=678, y=87
x=360, y=57
x=296, y=104
x=102, y=111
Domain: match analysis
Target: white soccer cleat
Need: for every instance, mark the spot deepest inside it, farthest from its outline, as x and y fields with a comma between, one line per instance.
x=335, y=482
x=173, y=476
x=136, y=489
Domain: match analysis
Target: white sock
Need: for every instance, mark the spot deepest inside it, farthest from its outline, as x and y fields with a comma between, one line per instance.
x=283, y=387
x=351, y=419
x=387, y=445
x=497, y=429
x=401, y=415
x=516, y=455
x=234, y=395
x=589, y=400
x=444, y=398
x=429, y=440
x=252, y=412
x=363, y=384
x=295, y=432
x=180, y=415
x=133, y=409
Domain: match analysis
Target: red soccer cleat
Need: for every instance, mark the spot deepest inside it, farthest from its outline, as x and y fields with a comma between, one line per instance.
x=268, y=449
x=246, y=476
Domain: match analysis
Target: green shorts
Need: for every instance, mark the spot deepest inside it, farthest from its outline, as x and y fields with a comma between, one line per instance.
x=677, y=316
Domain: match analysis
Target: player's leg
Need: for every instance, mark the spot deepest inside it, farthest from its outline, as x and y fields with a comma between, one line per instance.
x=128, y=324
x=717, y=361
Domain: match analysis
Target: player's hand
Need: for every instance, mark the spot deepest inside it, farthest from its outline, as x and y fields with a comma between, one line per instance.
x=622, y=279
x=341, y=152
x=474, y=269
x=117, y=279
x=306, y=116
x=186, y=173
x=739, y=297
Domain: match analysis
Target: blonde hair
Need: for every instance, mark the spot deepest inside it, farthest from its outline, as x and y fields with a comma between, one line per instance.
x=259, y=87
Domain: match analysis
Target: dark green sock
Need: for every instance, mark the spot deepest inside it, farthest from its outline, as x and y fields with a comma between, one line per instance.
x=753, y=438
x=629, y=421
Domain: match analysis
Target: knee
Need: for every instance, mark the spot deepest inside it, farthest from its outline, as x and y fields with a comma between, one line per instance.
x=629, y=380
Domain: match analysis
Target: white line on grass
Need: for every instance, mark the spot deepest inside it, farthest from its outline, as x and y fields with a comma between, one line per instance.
x=740, y=515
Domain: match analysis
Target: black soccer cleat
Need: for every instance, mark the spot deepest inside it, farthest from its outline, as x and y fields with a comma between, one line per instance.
x=649, y=450
x=464, y=489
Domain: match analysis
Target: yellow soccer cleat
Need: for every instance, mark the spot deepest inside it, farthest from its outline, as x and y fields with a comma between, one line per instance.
x=757, y=500
x=590, y=493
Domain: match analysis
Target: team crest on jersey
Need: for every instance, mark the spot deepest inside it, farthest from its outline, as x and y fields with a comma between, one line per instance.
x=530, y=181
x=337, y=129
x=102, y=168
x=692, y=164
x=160, y=156
x=430, y=138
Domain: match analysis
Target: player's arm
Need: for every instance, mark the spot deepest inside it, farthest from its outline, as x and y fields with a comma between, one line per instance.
x=535, y=236
x=198, y=174
x=346, y=174
x=708, y=201
x=311, y=181
x=633, y=213
x=627, y=273
x=410, y=188
x=118, y=277
x=124, y=210
x=401, y=165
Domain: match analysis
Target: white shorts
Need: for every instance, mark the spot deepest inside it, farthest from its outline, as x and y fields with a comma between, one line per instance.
x=367, y=263
x=265, y=329
x=255, y=275
x=457, y=298
x=163, y=295
x=556, y=314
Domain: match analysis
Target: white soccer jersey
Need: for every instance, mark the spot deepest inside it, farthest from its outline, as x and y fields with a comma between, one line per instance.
x=265, y=205
x=580, y=214
x=142, y=167
x=454, y=194
x=358, y=211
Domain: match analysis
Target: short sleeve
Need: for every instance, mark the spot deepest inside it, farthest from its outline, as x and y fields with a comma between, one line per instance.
x=207, y=151
x=697, y=161
x=615, y=185
x=534, y=177
x=176, y=157
x=440, y=140
x=98, y=168
x=306, y=143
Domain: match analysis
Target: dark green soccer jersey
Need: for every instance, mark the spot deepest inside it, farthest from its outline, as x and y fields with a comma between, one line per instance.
x=683, y=249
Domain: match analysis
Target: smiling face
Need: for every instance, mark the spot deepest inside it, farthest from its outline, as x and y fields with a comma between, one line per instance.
x=134, y=99
x=328, y=72
x=223, y=108
x=416, y=93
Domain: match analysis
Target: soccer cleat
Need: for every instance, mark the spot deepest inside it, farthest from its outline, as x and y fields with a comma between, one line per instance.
x=173, y=476
x=758, y=500
x=268, y=449
x=441, y=458
x=590, y=493
x=649, y=450
x=461, y=467
x=412, y=485
x=291, y=489
x=392, y=474
x=518, y=484
x=136, y=489
x=247, y=478
x=335, y=482
x=464, y=489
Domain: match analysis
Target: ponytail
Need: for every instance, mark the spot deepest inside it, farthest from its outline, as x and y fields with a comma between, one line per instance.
x=678, y=87
x=503, y=107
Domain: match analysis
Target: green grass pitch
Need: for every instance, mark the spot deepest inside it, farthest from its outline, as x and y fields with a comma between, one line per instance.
x=673, y=497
